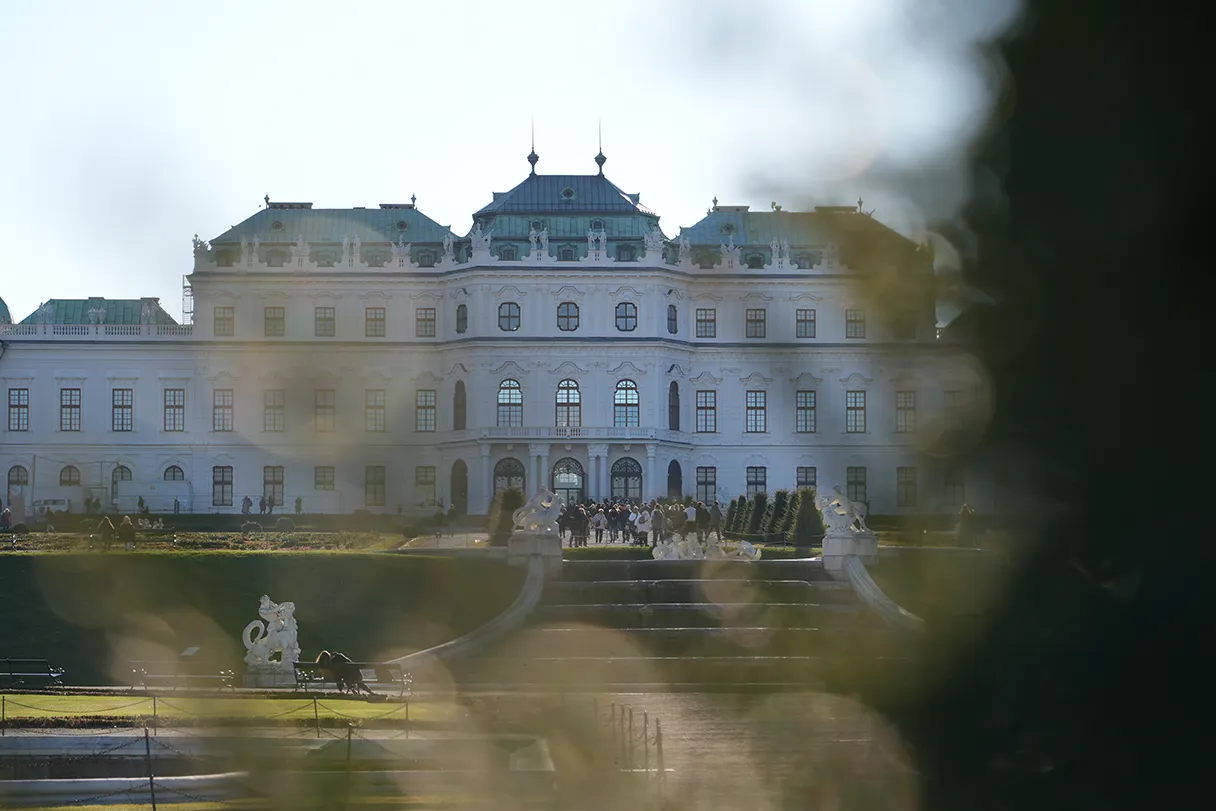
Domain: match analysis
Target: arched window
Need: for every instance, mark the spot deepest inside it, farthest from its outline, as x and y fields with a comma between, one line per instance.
x=508, y=316
x=69, y=477
x=675, y=481
x=673, y=321
x=510, y=404
x=18, y=480
x=567, y=316
x=755, y=261
x=626, y=407
x=626, y=316
x=626, y=479
x=507, y=253
x=567, y=480
x=122, y=473
x=673, y=406
x=173, y=473
x=569, y=405
x=459, y=405
x=462, y=318
x=509, y=473
x=597, y=225
x=625, y=253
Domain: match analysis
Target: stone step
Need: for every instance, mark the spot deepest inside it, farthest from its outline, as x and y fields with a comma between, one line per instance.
x=742, y=641
x=805, y=569
x=697, y=591
x=706, y=615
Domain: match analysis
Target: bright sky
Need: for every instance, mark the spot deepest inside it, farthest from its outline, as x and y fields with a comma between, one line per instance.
x=130, y=126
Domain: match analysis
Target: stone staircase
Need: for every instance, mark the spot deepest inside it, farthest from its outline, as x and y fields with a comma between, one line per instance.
x=638, y=626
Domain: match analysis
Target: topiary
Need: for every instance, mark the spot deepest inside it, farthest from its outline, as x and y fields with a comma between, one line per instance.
x=782, y=528
x=774, y=514
x=756, y=514
x=285, y=524
x=502, y=512
x=251, y=526
x=808, y=526
x=728, y=523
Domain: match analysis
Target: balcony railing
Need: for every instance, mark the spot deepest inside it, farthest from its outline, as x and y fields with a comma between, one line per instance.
x=100, y=332
x=553, y=432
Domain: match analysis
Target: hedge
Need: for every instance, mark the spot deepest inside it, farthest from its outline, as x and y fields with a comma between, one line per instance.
x=93, y=613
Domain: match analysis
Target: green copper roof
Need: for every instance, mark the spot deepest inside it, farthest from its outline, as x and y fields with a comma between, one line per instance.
x=118, y=311
x=5, y=316
x=565, y=227
x=334, y=224
x=565, y=194
x=801, y=228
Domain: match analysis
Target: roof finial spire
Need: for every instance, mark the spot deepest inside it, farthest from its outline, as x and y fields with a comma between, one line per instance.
x=532, y=156
x=599, y=158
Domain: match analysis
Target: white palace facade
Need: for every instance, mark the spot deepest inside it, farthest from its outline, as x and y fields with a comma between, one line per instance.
x=372, y=359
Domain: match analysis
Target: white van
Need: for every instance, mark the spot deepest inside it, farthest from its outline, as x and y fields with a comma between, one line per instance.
x=44, y=505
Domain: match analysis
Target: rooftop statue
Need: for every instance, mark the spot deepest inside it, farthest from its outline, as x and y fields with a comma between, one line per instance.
x=543, y=236
x=447, y=244
x=532, y=238
x=540, y=514
x=653, y=240
x=685, y=249
x=481, y=242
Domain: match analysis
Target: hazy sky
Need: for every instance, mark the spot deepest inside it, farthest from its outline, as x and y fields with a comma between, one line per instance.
x=130, y=126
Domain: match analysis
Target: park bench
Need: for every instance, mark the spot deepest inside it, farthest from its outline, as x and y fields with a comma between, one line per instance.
x=310, y=675
x=23, y=672
x=176, y=673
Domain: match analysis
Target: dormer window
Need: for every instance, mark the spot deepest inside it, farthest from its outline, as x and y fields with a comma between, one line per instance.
x=625, y=253
x=565, y=254
x=804, y=261
x=567, y=193
x=755, y=261
x=597, y=225
x=537, y=225
x=729, y=228
x=426, y=259
x=277, y=225
x=507, y=253
x=402, y=225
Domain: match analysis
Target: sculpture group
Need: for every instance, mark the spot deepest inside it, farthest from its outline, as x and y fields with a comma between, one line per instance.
x=539, y=516
x=276, y=633
x=689, y=548
x=840, y=514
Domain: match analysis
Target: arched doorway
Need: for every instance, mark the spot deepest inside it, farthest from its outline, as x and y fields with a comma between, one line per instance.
x=675, y=481
x=568, y=480
x=121, y=473
x=459, y=491
x=509, y=473
x=626, y=479
x=18, y=481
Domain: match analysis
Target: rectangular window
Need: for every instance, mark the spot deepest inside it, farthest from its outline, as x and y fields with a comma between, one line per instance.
x=805, y=417
x=424, y=410
x=905, y=486
x=373, y=410
x=905, y=412
x=324, y=322
x=323, y=478
x=757, y=323
x=274, y=322
x=221, y=410
x=221, y=486
x=807, y=477
x=707, y=412
x=757, y=412
x=855, y=484
x=955, y=481
x=175, y=409
x=323, y=409
x=69, y=409
x=224, y=321
x=757, y=481
x=707, y=484
x=122, y=410
x=373, y=486
x=424, y=483
x=855, y=412
x=854, y=323
x=804, y=324
x=953, y=409
x=274, y=410
x=272, y=484
x=375, y=322
x=707, y=323
x=424, y=322
x=18, y=409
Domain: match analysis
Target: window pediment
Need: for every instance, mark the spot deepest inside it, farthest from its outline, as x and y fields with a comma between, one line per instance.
x=509, y=292
x=626, y=368
x=806, y=380
x=568, y=369
x=510, y=368
x=856, y=380
x=705, y=379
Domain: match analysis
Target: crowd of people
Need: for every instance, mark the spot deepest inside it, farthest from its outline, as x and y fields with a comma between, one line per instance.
x=638, y=523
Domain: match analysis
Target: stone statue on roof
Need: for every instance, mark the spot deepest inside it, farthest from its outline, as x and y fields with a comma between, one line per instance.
x=357, y=250
x=200, y=245
x=654, y=240
x=481, y=242
x=447, y=244
x=46, y=313
x=543, y=236
x=146, y=313
x=775, y=247
x=685, y=249
x=532, y=238
x=785, y=250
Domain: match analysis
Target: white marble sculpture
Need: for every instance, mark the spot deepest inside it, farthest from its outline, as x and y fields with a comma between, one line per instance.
x=685, y=250
x=532, y=237
x=276, y=633
x=746, y=551
x=480, y=241
x=540, y=514
x=543, y=236
x=448, y=255
x=714, y=550
x=46, y=313
x=400, y=253
x=146, y=313
x=840, y=514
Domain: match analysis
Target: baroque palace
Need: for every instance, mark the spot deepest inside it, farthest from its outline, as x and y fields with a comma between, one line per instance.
x=372, y=359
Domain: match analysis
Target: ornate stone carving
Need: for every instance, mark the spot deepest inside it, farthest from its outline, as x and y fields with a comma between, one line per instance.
x=201, y=246
x=654, y=240
x=276, y=633
x=840, y=515
x=532, y=237
x=147, y=314
x=400, y=257
x=685, y=255
x=480, y=241
x=448, y=255
x=301, y=252
x=539, y=516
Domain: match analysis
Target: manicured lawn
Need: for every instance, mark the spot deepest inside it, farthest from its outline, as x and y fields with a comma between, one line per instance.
x=21, y=707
